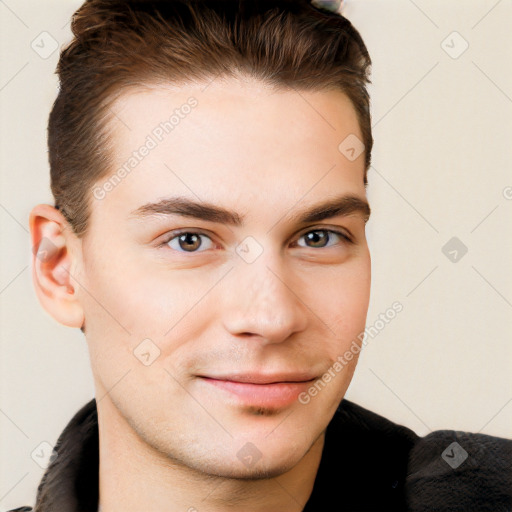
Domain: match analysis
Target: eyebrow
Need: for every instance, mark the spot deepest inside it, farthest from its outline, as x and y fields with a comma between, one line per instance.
x=183, y=206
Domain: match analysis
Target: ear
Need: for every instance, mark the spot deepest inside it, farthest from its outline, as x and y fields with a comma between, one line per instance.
x=55, y=251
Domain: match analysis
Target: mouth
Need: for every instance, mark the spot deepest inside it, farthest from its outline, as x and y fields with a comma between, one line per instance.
x=273, y=391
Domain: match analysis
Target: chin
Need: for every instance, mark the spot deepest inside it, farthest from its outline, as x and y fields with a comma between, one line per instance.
x=243, y=459
x=260, y=471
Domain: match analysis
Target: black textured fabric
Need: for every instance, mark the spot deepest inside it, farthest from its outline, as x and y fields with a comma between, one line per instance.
x=368, y=464
x=483, y=482
x=364, y=463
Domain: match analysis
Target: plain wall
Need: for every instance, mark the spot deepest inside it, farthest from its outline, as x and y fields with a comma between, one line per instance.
x=441, y=169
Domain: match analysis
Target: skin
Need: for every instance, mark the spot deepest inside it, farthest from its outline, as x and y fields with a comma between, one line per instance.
x=169, y=439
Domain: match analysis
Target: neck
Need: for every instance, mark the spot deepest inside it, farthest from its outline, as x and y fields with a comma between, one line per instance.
x=134, y=476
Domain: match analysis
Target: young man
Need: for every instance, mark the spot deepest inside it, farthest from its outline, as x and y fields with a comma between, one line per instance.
x=208, y=163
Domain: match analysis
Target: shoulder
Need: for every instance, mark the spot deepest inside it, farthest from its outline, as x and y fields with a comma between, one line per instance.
x=444, y=471
x=460, y=471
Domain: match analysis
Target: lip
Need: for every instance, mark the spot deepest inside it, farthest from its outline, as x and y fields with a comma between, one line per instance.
x=262, y=378
x=261, y=390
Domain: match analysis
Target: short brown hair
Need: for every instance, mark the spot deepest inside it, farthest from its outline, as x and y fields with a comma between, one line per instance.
x=120, y=44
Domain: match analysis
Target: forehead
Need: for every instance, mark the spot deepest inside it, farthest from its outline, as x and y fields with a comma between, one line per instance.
x=230, y=142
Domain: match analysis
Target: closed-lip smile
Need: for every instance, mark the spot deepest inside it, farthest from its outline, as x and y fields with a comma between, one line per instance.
x=275, y=390
x=261, y=378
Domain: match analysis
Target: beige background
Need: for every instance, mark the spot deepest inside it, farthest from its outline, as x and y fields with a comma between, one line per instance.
x=442, y=169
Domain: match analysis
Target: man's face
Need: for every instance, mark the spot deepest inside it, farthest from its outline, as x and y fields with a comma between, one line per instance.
x=175, y=322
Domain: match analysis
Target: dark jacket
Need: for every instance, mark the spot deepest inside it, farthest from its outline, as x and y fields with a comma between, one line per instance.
x=368, y=464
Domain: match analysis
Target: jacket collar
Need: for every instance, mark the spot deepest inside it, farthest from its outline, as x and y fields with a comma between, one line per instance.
x=71, y=481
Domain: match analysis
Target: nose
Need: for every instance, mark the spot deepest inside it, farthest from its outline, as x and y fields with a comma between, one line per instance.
x=263, y=301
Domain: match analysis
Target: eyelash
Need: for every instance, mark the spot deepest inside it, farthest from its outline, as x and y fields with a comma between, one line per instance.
x=175, y=234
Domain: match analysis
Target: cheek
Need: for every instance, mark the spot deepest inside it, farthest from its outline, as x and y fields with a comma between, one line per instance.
x=345, y=307
x=130, y=309
x=345, y=300
x=134, y=299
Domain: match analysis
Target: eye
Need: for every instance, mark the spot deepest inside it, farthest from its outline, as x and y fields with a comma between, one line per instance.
x=191, y=241
x=320, y=238
x=188, y=241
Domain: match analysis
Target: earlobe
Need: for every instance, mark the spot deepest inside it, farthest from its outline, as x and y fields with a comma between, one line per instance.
x=53, y=264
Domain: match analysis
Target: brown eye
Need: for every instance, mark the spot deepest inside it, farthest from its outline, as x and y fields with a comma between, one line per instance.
x=319, y=238
x=188, y=241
